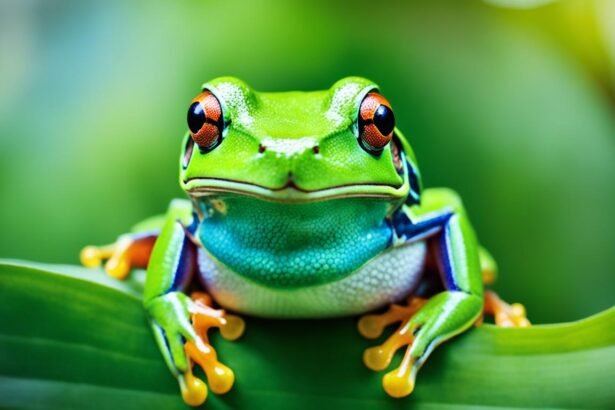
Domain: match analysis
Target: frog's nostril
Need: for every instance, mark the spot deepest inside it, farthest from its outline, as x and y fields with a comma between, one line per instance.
x=261, y=148
x=316, y=149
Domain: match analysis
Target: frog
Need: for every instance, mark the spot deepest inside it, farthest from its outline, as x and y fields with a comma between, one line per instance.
x=304, y=205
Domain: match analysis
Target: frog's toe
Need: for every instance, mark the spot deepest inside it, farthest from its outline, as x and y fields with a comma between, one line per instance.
x=194, y=391
x=91, y=256
x=233, y=327
x=400, y=382
x=371, y=326
x=505, y=315
x=205, y=317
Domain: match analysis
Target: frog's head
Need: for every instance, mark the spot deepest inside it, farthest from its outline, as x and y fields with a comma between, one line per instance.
x=296, y=146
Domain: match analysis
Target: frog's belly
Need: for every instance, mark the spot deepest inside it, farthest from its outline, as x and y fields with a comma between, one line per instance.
x=383, y=280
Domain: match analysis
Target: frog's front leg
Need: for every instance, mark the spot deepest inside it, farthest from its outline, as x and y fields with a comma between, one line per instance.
x=180, y=323
x=441, y=217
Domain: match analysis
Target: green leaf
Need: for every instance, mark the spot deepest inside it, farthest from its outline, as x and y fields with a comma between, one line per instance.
x=71, y=338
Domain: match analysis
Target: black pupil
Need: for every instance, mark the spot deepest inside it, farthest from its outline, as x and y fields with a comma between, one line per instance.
x=384, y=119
x=196, y=117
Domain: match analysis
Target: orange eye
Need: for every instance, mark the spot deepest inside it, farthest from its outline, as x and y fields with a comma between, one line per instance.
x=376, y=122
x=205, y=120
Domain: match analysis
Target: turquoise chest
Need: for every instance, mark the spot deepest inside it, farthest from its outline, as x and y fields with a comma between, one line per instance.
x=294, y=245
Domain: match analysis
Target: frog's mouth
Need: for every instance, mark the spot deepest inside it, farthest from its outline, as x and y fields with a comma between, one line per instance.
x=291, y=192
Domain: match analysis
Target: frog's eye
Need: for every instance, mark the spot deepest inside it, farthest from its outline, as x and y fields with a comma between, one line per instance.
x=205, y=120
x=376, y=122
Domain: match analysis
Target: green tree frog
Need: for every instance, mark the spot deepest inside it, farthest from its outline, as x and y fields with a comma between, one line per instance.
x=304, y=205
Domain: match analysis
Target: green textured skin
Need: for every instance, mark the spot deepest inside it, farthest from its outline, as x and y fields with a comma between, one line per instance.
x=242, y=233
x=290, y=123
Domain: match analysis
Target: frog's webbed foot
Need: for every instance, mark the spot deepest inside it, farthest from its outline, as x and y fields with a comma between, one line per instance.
x=424, y=325
x=505, y=315
x=128, y=252
x=379, y=357
x=220, y=378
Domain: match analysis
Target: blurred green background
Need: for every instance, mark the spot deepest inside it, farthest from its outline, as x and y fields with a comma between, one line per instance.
x=511, y=103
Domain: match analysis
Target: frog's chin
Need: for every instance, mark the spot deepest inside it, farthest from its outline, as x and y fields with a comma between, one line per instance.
x=199, y=187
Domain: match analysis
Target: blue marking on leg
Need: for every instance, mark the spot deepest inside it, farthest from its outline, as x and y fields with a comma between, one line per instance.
x=445, y=259
x=428, y=226
x=185, y=265
x=412, y=231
